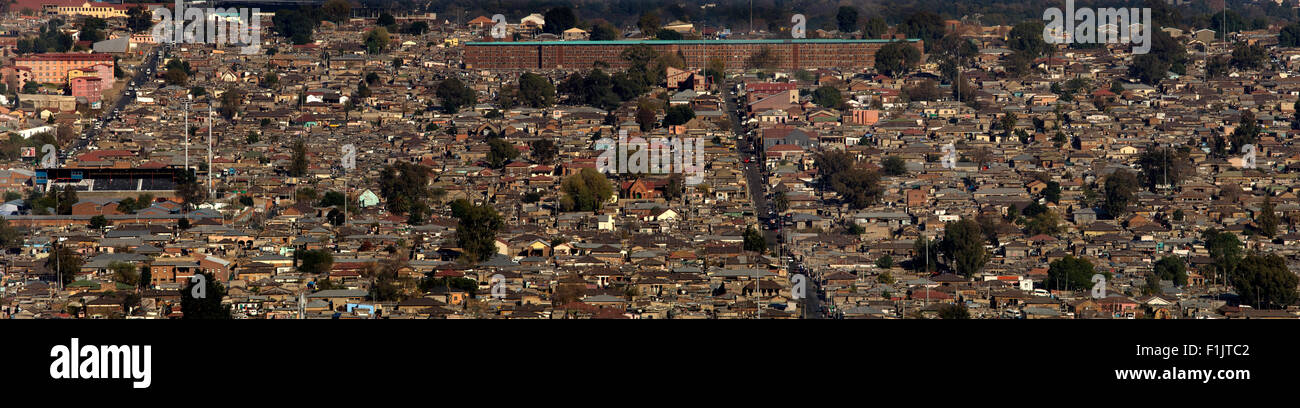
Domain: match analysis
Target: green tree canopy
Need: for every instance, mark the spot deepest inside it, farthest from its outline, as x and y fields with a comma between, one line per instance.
x=1121, y=191
x=586, y=191
x=209, y=306
x=827, y=97
x=1264, y=282
x=1070, y=273
x=454, y=95
x=754, y=240
x=963, y=247
x=315, y=261
x=535, y=90
x=896, y=58
x=476, y=231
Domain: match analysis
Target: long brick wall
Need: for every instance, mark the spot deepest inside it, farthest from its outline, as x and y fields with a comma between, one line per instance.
x=581, y=55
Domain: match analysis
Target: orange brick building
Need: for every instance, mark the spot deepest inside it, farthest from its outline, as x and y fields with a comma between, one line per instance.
x=53, y=68
x=580, y=55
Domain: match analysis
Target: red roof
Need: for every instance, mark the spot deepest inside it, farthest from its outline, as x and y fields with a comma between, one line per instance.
x=785, y=148
x=98, y=155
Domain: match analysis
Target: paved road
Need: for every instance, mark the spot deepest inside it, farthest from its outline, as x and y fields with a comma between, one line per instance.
x=754, y=176
x=109, y=113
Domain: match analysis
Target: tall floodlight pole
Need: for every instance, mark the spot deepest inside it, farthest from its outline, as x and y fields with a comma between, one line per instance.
x=187, y=135
x=211, y=187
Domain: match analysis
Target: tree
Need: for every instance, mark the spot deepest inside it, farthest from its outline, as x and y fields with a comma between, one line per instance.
x=10, y=237
x=139, y=19
x=827, y=96
x=1171, y=268
x=464, y=284
x=1248, y=57
x=385, y=20
x=535, y=90
x=954, y=311
x=678, y=115
x=781, y=201
x=896, y=58
x=146, y=277
x=231, y=99
x=1295, y=120
x=1046, y=222
x=455, y=95
x=90, y=31
x=858, y=187
x=315, y=262
x=1290, y=36
x=875, y=28
x=175, y=77
x=927, y=90
x=329, y=199
x=963, y=246
x=337, y=10
x=676, y=185
x=298, y=24
x=476, y=231
x=387, y=286
x=416, y=28
x=1225, y=251
x=500, y=151
x=1163, y=165
x=925, y=254
x=1028, y=37
x=648, y=23
x=298, y=166
x=1247, y=131
x=846, y=19
x=645, y=114
x=98, y=222
x=404, y=186
x=1217, y=66
x=1266, y=219
x=604, y=31
x=1264, y=282
x=271, y=80
x=586, y=191
x=543, y=151
x=885, y=262
x=893, y=166
x=125, y=273
x=66, y=200
x=754, y=240
x=1007, y=123
x=924, y=25
x=1070, y=273
x=208, y=306
x=559, y=19
x=1121, y=191
x=65, y=263
x=668, y=35
x=377, y=40
x=1052, y=193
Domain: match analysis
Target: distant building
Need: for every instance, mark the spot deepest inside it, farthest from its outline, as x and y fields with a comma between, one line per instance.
x=790, y=54
x=53, y=68
x=575, y=34
x=86, y=8
x=91, y=88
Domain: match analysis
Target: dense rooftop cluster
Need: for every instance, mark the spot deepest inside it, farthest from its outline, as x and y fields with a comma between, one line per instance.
x=991, y=176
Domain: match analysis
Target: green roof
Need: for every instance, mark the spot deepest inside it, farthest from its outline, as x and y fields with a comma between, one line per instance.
x=691, y=42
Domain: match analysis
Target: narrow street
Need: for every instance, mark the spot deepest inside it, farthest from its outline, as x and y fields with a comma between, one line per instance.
x=770, y=222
